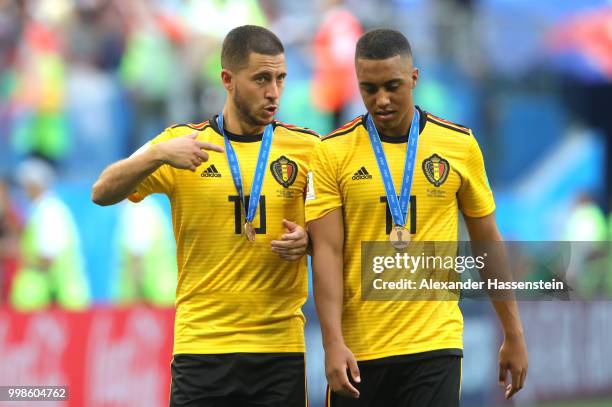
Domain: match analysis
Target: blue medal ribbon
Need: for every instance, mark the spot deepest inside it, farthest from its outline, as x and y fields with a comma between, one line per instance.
x=398, y=208
x=260, y=169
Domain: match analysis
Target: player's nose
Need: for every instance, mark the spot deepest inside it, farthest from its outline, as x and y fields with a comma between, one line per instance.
x=382, y=101
x=272, y=92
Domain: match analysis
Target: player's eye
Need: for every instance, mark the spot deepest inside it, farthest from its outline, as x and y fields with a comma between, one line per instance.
x=369, y=89
x=260, y=80
x=392, y=86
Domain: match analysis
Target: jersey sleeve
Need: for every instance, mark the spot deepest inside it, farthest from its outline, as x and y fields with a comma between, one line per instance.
x=161, y=180
x=324, y=193
x=475, y=195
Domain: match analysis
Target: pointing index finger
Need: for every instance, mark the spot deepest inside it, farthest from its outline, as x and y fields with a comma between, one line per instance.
x=209, y=146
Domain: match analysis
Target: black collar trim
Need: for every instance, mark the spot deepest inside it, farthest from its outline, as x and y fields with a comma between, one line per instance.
x=248, y=138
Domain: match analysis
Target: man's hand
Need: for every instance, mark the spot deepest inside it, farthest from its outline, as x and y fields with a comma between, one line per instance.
x=292, y=245
x=339, y=359
x=185, y=153
x=513, y=359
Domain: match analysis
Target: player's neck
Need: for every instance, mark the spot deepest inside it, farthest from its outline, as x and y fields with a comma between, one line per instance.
x=235, y=124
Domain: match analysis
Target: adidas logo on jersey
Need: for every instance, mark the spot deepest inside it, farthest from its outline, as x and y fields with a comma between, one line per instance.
x=211, y=172
x=362, y=174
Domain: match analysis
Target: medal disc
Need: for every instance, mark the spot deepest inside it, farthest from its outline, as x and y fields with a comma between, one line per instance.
x=249, y=231
x=399, y=237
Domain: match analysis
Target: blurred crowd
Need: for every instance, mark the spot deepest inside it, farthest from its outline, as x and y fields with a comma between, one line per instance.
x=86, y=82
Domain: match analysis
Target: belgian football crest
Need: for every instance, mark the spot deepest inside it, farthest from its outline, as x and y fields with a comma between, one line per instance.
x=436, y=169
x=284, y=171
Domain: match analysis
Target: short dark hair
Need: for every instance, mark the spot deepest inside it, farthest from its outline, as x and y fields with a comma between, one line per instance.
x=241, y=41
x=382, y=43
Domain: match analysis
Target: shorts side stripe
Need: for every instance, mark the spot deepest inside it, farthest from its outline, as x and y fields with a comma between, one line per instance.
x=460, y=377
x=305, y=382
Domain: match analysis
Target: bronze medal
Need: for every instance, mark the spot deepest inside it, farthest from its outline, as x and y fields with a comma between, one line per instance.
x=399, y=237
x=249, y=231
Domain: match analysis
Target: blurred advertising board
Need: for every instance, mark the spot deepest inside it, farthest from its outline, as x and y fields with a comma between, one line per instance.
x=106, y=356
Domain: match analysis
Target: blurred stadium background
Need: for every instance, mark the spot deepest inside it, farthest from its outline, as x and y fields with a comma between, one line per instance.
x=85, y=82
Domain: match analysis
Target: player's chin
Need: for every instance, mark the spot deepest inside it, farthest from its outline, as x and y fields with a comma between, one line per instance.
x=264, y=119
x=385, y=124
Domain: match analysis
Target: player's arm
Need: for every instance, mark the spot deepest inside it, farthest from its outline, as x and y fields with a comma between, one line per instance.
x=513, y=353
x=327, y=235
x=121, y=179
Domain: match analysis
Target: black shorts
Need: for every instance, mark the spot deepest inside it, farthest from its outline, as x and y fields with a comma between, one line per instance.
x=239, y=379
x=430, y=379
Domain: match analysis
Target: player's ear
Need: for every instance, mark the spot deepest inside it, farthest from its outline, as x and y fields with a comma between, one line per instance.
x=227, y=78
x=415, y=77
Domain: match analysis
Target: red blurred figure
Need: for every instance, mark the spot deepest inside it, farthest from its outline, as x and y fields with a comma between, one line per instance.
x=10, y=227
x=334, y=67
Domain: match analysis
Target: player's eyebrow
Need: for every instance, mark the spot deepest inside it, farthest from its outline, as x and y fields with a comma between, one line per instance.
x=263, y=72
x=268, y=73
x=389, y=82
x=365, y=83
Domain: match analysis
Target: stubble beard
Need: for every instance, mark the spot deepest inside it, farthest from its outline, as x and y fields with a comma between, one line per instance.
x=245, y=110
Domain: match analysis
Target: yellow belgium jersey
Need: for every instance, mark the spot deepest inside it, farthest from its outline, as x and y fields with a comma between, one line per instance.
x=449, y=175
x=234, y=295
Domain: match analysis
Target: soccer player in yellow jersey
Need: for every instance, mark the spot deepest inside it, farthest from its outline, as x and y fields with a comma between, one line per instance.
x=396, y=353
x=239, y=328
